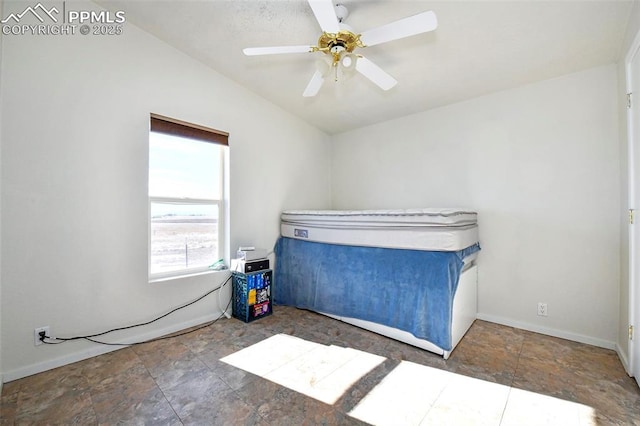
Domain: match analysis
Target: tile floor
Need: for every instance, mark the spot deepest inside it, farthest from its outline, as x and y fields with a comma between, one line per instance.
x=496, y=375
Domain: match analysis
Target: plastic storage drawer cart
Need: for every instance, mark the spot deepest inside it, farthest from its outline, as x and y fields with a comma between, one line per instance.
x=252, y=295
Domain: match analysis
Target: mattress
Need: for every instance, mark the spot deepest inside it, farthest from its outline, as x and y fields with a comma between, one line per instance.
x=413, y=229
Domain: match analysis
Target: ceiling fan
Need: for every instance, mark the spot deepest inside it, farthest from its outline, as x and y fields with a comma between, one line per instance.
x=339, y=41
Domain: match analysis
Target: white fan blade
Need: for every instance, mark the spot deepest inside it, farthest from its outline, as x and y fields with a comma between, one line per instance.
x=252, y=51
x=314, y=85
x=375, y=73
x=325, y=15
x=416, y=24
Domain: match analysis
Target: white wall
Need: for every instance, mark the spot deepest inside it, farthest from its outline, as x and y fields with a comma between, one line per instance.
x=540, y=164
x=74, y=182
x=1, y=38
x=623, y=338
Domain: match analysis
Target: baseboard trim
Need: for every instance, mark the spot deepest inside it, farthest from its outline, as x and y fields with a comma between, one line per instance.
x=100, y=350
x=549, y=331
x=623, y=359
x=96, y=350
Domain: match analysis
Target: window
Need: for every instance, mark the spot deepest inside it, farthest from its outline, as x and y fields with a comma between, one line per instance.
x=186, y=197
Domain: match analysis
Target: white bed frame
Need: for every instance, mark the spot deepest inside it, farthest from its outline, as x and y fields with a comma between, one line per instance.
x=465, y=308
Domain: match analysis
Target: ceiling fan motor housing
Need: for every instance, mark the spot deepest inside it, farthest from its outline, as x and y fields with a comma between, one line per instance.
x=336, y=44
x=346, y=40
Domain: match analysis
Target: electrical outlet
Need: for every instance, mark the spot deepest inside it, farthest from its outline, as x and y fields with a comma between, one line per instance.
x=542, y=309
x=36, y=334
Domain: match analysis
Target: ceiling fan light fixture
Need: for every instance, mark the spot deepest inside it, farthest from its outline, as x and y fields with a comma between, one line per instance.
x=347, y=66
x=348, y=61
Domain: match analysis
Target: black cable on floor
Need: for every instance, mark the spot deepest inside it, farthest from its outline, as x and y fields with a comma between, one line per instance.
x=89, y=337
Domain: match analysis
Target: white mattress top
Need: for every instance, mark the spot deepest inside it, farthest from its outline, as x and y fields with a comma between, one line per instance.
x=412, y=217
x=435, y=238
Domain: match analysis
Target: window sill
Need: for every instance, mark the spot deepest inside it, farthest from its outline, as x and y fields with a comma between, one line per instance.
x=161, y=279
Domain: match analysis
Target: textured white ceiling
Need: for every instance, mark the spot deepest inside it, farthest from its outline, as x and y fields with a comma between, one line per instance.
x=479, y=47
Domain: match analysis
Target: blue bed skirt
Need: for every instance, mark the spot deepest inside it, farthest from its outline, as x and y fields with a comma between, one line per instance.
x=411, y=290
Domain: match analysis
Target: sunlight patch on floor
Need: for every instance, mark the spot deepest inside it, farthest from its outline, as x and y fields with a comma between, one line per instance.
x=269, y=354
x=411, y=394
x=466, y=400
x=414, y=394
x=403, y=397
x=318, y=371
x=530, y=408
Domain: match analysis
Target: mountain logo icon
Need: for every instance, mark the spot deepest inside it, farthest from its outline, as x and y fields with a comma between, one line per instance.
x=38, y=11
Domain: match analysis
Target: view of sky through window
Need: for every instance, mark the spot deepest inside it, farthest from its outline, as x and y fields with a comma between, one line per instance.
x=183, y=168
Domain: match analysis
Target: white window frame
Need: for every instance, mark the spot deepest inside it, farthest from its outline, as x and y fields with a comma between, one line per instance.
x=223, y=212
